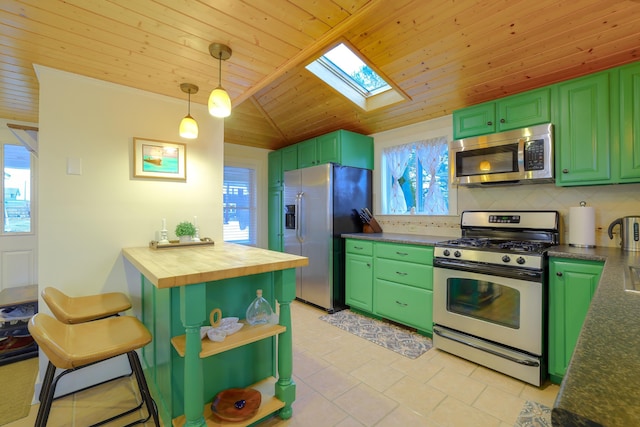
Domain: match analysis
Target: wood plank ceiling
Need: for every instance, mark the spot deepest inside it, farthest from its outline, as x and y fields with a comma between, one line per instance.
x=443, y=54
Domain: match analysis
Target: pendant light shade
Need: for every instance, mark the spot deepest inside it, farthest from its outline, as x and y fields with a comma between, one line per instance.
x=219, y=101
x=188, y=125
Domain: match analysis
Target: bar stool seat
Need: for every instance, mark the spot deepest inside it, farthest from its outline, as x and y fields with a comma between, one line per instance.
x=73, y=310
x=72, y=347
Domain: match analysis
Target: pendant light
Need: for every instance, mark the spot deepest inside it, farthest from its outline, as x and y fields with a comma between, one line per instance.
x=219, y=101
x=188, y=125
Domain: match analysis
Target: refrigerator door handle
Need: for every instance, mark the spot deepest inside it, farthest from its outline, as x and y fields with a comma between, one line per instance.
x=298, y=216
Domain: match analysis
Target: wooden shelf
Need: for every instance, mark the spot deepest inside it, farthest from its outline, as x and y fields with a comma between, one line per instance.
x=18, y=295
x=269, y=405
x=246, y=335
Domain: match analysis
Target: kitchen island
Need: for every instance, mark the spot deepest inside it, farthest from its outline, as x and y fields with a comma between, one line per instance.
x=180, y=287
x=602, y=384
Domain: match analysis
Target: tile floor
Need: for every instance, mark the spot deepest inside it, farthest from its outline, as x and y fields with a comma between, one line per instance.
x=344, y=381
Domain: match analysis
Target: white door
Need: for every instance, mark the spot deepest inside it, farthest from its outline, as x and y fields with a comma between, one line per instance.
x=18, y=240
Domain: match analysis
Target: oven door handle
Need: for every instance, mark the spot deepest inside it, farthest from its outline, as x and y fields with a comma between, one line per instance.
x=487, y=350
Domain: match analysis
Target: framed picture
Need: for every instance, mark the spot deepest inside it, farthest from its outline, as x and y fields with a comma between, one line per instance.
x=159, y=159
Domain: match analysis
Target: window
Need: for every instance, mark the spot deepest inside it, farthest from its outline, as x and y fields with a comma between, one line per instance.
x=344, y=71
x=16, y=186
x=239, y=205
x=415, y=178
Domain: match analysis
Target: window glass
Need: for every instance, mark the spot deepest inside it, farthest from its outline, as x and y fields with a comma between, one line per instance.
x=345, y=61
x=16, y=186
x=239, y=205
x=416, y=178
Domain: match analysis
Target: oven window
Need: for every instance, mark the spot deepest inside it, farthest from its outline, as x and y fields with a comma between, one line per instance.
x=484, y=300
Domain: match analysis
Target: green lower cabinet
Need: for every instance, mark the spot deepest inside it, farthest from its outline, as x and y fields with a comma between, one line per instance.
x=359, y=279
x=572, y=284
x=404, y=304
x=391, y=280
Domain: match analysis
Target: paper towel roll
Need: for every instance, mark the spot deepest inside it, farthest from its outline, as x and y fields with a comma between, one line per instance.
x=582, y=227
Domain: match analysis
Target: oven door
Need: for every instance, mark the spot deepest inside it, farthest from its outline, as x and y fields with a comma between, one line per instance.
x=504, y=310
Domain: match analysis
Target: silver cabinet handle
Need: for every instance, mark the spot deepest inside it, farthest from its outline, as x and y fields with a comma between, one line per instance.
x=402, y=253
x=400, y=273
x=401, y=303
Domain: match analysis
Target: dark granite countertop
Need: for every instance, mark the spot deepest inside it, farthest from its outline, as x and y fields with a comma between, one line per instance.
x=413, y=239
x=602, y=384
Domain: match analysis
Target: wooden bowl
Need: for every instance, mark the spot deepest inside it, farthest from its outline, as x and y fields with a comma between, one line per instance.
x=236, y=404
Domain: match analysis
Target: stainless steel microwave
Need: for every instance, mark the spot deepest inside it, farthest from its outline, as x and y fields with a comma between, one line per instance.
x=522, y=156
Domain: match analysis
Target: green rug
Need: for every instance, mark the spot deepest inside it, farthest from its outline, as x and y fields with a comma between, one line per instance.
x=19, y=378
x=385, y=334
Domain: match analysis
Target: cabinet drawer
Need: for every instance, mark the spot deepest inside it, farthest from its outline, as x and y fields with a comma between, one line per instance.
x=408, y=253
x=407, y=273
x=361, y=247
x=404, y=304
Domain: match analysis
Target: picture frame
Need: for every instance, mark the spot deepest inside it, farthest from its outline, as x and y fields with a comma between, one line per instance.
x=159, y=159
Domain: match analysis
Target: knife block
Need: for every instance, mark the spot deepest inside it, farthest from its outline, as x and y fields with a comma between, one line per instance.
x=372, y=227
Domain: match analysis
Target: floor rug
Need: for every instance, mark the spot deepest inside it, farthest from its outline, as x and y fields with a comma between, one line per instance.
x=534, y=414
x=18, y=381
x=387, y=335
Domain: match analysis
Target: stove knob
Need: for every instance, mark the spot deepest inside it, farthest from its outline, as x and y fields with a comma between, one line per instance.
x=457, y=254
x=520, y=260
x=506, y=258
x=446, y=252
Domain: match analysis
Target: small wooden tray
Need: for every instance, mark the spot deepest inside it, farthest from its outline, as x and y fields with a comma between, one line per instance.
x=236, y=404
x=176, y=243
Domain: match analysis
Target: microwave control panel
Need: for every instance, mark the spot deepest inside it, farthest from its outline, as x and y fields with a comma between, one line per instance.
x=534, y=155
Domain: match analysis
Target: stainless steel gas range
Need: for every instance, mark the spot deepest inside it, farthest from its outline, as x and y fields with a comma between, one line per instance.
x=490, y=291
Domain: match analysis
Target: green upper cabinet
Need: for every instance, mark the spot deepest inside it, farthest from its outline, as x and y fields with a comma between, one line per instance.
x=582, y=132
x=307, y=153
x=276, y=175
x=289, y=158
x=342, y=147
x=525, y=109
x=572, y=284
x=630, y=123
x=476, y=120
x=513, y=112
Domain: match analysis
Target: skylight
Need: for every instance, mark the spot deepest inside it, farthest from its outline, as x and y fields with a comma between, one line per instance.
x=348, y=74
x=342, y=59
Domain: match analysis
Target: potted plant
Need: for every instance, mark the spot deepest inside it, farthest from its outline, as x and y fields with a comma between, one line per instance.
x=185, y=231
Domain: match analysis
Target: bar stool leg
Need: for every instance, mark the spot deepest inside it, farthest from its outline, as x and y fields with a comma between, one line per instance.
x=46, y=396
x=145, y=393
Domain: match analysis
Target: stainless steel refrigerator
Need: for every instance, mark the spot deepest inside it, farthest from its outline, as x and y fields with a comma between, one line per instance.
x=321, y=203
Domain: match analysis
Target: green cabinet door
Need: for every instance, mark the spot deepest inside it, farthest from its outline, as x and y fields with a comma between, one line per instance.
x=583, y=131
x=476, y=120
x=307, y=156
x=275, y=174
x=359, y=274
x=275, y=219
x=289, y=158
x=630, y=123
x=572, y=284
x=522, y=110
x=359, y=281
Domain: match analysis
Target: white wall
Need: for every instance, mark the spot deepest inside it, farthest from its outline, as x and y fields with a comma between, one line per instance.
x=85, y=220
x=257, y=159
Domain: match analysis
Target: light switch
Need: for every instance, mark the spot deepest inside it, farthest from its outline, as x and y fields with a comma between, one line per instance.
x=74, y=166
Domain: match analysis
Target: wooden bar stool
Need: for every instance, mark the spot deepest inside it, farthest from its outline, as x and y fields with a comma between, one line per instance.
x=73, y=347
x=73, y=310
